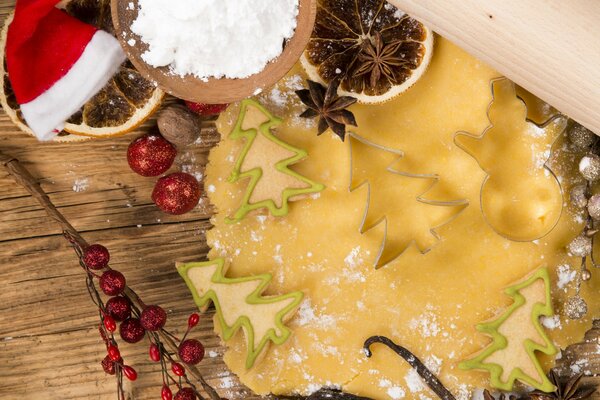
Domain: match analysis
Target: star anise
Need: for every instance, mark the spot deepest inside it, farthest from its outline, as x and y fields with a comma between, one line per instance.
x=378, y=58
x=328, y=106
x=566, y=389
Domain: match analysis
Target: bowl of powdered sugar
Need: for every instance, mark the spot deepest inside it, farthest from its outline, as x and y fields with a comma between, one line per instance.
x=214, y=51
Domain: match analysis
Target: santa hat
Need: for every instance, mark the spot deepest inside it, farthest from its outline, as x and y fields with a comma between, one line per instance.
x=56, y=63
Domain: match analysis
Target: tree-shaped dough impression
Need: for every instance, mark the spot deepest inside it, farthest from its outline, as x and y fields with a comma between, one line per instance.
x=396, y=199
x=265, y=160
x=239, y=304
x=520, y=198
x=517, y=335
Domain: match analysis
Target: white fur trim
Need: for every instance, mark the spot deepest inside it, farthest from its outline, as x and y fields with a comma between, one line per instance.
x=99, y=61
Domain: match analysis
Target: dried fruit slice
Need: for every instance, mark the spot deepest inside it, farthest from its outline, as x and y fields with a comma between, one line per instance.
x=122, y=105
x=377, y=49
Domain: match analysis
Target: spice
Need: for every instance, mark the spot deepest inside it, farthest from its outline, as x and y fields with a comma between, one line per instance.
x=428, y=377
x=179, y=125
x=214, y=38
x=328, y=106
x=566, y=389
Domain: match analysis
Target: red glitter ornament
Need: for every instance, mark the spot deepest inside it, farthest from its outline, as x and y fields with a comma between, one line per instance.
x=129, y=372
x=191, y=351
x=150, y=155
x=153, y=318
x=206, y=110
x=131, y=330
x=119, y=308
x=176, y=193
x=112, y=282
x=108, y=365
x=96, y=256
x=185, y=394
x=166, y=393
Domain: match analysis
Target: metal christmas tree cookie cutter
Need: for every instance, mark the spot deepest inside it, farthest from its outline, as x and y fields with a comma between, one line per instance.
x=380, y=261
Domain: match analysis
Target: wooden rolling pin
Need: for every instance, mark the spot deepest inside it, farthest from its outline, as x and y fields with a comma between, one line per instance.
x=550, y=47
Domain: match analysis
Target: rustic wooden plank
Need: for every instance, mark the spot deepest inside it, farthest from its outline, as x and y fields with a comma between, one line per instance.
x=49, y=344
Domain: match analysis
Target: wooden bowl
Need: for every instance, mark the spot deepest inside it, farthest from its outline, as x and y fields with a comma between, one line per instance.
x=213, y=91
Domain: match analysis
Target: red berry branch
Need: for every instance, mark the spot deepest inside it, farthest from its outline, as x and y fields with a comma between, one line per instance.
x=136, y=319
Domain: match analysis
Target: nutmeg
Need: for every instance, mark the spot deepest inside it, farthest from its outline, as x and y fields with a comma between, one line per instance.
x=179, y=125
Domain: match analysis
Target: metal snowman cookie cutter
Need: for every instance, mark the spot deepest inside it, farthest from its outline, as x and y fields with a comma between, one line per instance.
x=542, y=125
x=380, y=261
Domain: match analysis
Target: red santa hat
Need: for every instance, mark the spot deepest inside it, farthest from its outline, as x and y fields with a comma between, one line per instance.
x=56, y=63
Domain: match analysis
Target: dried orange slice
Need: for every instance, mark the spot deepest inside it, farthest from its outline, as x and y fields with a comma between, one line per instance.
x=378, y=50
x=126, y=101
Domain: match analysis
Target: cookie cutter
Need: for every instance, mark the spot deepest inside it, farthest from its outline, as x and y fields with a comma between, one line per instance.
x=540, y=124
x=379, y=260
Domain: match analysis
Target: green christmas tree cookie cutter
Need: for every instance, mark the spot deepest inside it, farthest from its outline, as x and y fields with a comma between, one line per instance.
x=254, y=298
x=255, y=174
x=500, y=342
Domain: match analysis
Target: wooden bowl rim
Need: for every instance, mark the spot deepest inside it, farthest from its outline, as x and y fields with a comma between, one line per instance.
x=214, y=91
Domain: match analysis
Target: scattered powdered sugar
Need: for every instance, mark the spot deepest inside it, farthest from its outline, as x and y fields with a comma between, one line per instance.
x=536, y=131
x=565, y=276
x=211, y=188
x=227, y=382
x=353, y=258
x=413, y=381
x=426, y=324
x=214, y=38
x=395, y=392
x=581, y=365
x=277, y=256
x=212, y=354
x=551, y=322
x=81, y=185
x=307, y=315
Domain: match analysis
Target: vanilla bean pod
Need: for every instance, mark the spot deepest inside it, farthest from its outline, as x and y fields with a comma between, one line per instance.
x=428, y=377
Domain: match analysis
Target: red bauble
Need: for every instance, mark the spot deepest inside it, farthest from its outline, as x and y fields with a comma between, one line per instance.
x=129, y=373
x=193, y=320
x=191, y=351
x=119, y=308
x=206, y=109
x=131, y=330
x=109, y=323
x=178, y=369
x=151, y=155
x=176, y=193
x=166, y=393
x=112, y=282
x=185, y=394
x=108, y=365
x=113, y=352
x=153, y=318
x=96, y=256
x=154, y=352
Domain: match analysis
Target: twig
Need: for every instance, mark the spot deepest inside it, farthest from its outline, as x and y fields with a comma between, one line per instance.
x=22, y=176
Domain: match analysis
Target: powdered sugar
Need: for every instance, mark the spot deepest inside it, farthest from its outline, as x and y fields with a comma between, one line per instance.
x=565, y=276
x=214, y=38
x=81, y=185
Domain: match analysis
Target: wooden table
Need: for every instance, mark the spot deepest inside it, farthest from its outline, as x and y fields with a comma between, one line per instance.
x=49, y=342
